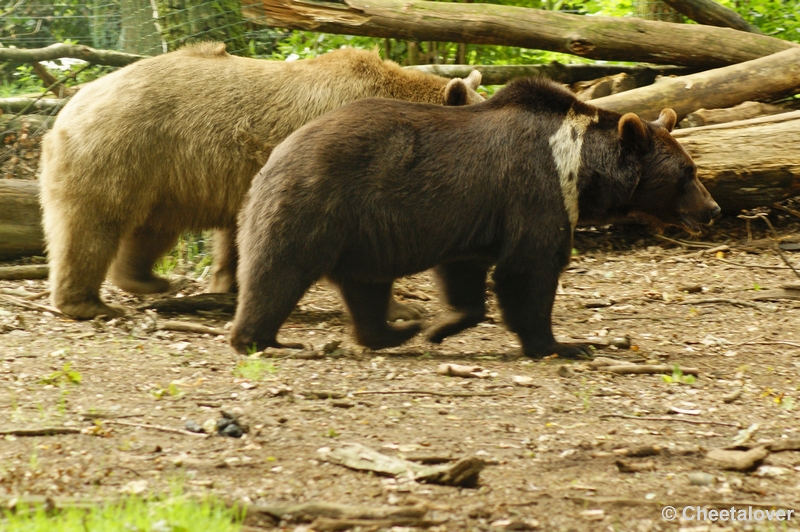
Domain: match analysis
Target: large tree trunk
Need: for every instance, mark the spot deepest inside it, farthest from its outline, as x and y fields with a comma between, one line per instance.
x=747, y=164
x=20, y=220
x=621, y=39
x=139, y=34
x=760, y=79
x=567, y=74
x=711, y=13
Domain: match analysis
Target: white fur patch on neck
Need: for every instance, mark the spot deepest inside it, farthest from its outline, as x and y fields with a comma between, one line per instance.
x=566, y=144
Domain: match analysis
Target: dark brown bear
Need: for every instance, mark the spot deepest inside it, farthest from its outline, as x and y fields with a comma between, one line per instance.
x=380, y=189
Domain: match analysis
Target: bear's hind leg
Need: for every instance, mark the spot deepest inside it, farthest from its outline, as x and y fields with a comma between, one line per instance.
x=79, y=251
x=464, y=285
x=368, y=304
x=226, y=257
x=132, y=269
x=526, y=298
x=267, y=295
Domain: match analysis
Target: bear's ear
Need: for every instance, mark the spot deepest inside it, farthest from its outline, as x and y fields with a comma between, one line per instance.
x=455, y=92
x=667, y=119
x=473, y=81
x=633, y=133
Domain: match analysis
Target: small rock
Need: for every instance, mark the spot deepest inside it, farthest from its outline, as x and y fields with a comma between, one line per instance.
x=232, y=430
x=700, y=478
x=767, y=471
x=521, y=380
x=621, y=342
x=210, y=426
x=193, y=426
x=691, y=288
x=733, y=396
x=565, y=372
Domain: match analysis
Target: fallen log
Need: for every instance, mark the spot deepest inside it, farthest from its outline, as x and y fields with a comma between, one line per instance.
x=712, y=14
x=610, y=38
x=759, y=79
x=743, y=111
x=747, y=163
x=566, y=74
x=16, y=105
x=20, y=219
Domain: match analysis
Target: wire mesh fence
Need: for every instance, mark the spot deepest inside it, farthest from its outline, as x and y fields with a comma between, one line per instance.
x=147, y=27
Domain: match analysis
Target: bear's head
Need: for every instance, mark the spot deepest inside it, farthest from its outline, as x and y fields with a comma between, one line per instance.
x=668, y=191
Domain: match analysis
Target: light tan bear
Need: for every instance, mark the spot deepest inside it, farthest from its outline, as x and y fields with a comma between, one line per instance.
x=171, y=143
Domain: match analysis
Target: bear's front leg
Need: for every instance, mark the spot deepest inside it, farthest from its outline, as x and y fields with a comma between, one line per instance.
x=526, y=298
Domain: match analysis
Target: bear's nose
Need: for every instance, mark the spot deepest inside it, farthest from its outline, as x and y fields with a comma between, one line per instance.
x=715, y=212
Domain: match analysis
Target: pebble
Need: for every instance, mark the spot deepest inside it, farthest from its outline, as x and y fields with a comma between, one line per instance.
x=232, y=430
x=700, y=478
x=193, y=426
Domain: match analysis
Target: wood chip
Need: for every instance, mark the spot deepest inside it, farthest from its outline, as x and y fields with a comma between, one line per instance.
x=737, y=460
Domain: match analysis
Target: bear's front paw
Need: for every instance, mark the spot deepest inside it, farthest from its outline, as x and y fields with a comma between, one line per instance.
x=573, y=351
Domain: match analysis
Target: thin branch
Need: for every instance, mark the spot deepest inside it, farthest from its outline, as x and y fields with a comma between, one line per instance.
x=183, y=326
x=425, y=392
x=715, y=300
x=154, y=427
x=664, y=418
x=685, y=243
x=30, y=305
x=61, y=50
x=775, y=238
x=47, y=431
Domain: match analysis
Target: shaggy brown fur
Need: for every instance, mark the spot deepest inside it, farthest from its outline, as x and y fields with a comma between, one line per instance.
x=171, y=144
x=381, y=189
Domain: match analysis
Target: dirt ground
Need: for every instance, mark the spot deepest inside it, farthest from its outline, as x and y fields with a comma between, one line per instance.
x=555, y=453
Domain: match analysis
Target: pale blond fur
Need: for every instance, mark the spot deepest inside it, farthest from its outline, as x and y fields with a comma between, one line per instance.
x=171, y=144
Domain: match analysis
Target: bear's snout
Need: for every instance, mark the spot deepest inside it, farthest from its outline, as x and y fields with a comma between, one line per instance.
x=698, y=207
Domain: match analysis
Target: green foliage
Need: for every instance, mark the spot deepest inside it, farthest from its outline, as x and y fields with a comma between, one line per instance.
x=63, y=376
x=678, y=377
x=254, y=369
x=175, y=514
x=778, y=18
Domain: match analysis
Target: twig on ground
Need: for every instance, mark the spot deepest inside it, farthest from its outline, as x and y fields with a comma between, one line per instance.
x=154, y=427
x=186, y=326
x=715, y=300
x=47, y=431
x=425, y=392
x=698, y=254
x=39, y=295
x=677, y=504
x=644, y=369
x=786, y=209
x=671, y=418
x=408, y=294
x=30, y=305
x=685, y=243
x=775, y=239
x=756, y=266
x=771, y=342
